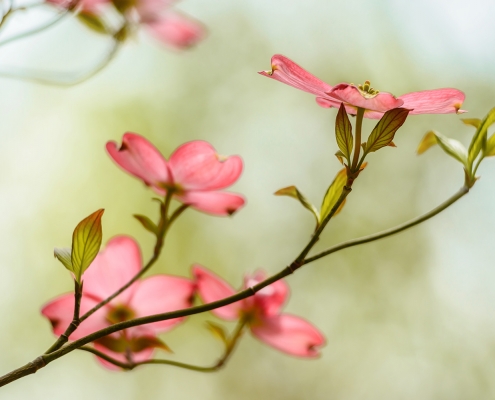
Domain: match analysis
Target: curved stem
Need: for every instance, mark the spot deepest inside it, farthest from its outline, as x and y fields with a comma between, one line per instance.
x=357, y=140
x=40, y=28
x=219, y=364
x=50, y=78
x=392, y=231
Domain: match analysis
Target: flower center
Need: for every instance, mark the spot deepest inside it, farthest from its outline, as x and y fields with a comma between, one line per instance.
x=172, y=188
x=367, y=91
x=120, y=313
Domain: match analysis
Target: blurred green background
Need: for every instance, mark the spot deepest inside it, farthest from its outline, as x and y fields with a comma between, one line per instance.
x=410, y=317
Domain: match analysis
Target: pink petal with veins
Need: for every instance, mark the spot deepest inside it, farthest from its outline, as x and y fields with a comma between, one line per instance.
x=212, y=288
x=112, y=268
x=290, y=334
x=216, y=203
x=140, y=158
x=197, y=166
x=160, y=294
x=60, y=312
x=351, y=95
x=176, y=30
x=438, y=101
x=288, y=72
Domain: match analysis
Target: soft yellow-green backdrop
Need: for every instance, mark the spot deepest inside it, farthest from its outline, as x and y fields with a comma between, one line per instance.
x=411, y=317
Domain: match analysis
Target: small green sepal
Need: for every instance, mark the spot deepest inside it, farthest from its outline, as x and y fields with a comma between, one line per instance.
x=476, y=122
x=93, y=22
x=218, y=331
x=147, y=223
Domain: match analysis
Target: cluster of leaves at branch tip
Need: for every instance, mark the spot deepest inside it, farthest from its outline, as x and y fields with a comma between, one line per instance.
x=381, y=136
x=480, y=147
x=86, y=243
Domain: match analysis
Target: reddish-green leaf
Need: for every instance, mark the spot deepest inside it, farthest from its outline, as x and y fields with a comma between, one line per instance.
x=384, y=131
x=333, y=193
x=86, y=242
x=343, y=132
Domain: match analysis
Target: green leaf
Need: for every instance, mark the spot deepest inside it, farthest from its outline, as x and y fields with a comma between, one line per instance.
x=293, y=192
x=343, y=132
x=147, y=342
x=428, y=141
x=384, y=131
x=476, y=122
x=333, y=193
x=147, y=223
x=479, y=142
x=64, y=256
x=218, y=331
x=93, y=22
x=118, y=345
x=86, y=243
x=452, y=147
x=490, y=147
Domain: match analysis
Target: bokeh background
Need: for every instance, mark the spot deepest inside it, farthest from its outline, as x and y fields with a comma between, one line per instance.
x=409, y=317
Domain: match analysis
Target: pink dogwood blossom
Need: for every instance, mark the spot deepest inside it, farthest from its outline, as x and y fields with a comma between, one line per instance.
x=170, y=27
x=194, y=172
x=285, y=332
x=111, y=269
x=438, y=101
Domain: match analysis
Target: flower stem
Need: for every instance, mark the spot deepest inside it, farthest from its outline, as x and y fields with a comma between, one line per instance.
x=357, y=141
x=219, y=364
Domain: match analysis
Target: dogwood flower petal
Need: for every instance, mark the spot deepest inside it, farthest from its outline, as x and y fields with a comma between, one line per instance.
x=60, y=312
x=211, y=288
x=136, y=356
x=112, y=268
x=288, y=72
x=159, y=294
x=216, y=203
x=197, y=166
x=290, y=334
x=438, y=101
x=176, y=30
x=140, y=158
